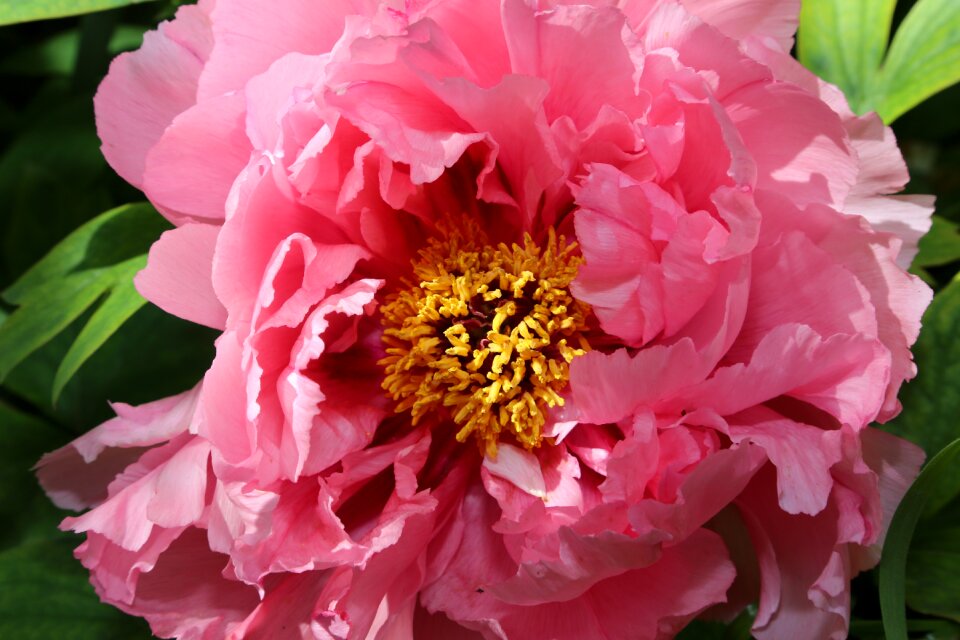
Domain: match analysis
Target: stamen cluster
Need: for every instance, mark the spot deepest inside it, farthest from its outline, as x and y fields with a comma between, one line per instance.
x=488, y=333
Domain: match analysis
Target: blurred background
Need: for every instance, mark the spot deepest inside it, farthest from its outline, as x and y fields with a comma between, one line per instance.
x=53, y=179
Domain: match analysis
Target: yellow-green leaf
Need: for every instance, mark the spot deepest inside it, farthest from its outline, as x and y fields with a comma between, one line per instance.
x=13, y=11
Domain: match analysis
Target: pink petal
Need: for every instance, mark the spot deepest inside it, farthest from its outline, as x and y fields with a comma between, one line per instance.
x=267, y=213
x=739, y=19
x=146, y=89
x=166, y=487
x=800, y=145
x=842, y=375
x=287, y=609
x=608, y=387
x=249, y=36
x=185, y=595
x=76, y=475
x=179, y=272
x=565, y=44
x=193, y=165
x=824, y=295
x=519, y=467
x=802, y=455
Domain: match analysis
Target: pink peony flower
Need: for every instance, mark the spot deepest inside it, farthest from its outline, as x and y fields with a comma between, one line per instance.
x=554, y=321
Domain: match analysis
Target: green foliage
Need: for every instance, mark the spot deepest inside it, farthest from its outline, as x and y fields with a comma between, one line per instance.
x=44, y=591
x=98, y=259
x=738, y=629
x=933, y=565
x=924, y=58
x=57, y=55
x=44, y=594
x=845, y=42
x=13, y=11
x=897, y=544
x=931, y=406
x=940, y=246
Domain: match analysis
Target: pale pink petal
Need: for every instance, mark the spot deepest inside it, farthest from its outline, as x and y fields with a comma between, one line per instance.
x=166, y=488
x=146, y=89
x=565, y=44
x=805, y=564
x=178, y=277
x=76, y=475
x=191, y=168
x=907, y=217
x=802, y=454
x=270, y=95
x=249, y=35
x=519, y=467
x=807, y=155
x=739, y=19
x=896, y=463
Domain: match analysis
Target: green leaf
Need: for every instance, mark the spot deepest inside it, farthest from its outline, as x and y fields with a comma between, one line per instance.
x=941, y=245
x=843, y=42
x=32, y=184
x=897, y=544
x=44, y=593
x=120, y=304
x=931, y=402
x=100, y=258
x=924, y=58
x=933, y=565
x=57, y=55
x=13, y=11
x=23, y=507
x=737, y=629
x=932, y=629
x=44, y=312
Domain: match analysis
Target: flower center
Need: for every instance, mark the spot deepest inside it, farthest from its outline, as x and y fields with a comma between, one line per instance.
x=488, y=334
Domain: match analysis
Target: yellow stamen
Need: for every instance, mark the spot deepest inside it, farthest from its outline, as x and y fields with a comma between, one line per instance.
x=485, y=332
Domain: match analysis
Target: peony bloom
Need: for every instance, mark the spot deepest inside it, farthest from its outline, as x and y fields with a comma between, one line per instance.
x=538, y=321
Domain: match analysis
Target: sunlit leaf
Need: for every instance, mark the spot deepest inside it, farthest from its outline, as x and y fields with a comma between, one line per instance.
x=12, y=11
x=843, y=42
x=924, y=58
